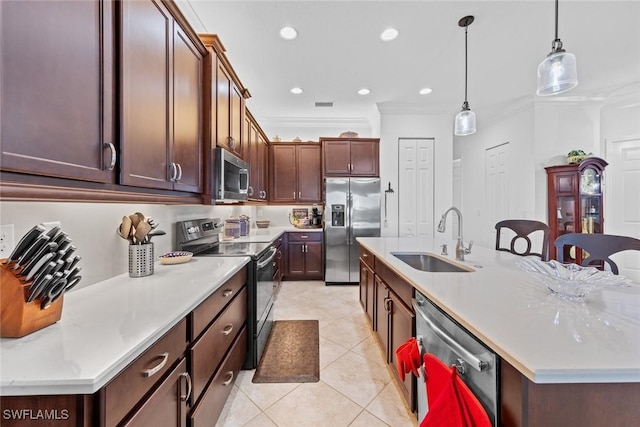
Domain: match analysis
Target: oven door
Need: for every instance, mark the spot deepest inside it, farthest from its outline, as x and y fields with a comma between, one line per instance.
x=264, y=283
x=455, y=346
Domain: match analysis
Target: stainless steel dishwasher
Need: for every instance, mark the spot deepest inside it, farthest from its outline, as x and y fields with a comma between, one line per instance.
x=443, y=337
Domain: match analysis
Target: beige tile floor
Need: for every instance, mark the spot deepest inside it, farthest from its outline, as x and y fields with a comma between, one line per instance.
x=355, y=387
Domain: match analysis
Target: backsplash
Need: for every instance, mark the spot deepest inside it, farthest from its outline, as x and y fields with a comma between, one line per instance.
x=92, y=227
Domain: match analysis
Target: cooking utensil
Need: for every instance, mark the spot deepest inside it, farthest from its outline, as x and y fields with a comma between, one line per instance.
x=153, y=234
x=38, y=286
x=124, y=230
x=152, y=223
x=142, y=230
x=61, y=238
x=40, y=241
x=53, y=233
x=25, y=242
x=53, y=290
x=42, y=263
x=44, y=250
x=388, y=191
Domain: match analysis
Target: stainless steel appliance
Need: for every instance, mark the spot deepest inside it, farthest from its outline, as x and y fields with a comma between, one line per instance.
x=231, y=177
x=352, y=209
x=443, y=337
x=201, y=237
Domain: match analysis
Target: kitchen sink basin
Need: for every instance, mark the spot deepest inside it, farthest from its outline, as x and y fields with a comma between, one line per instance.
x=428, y=262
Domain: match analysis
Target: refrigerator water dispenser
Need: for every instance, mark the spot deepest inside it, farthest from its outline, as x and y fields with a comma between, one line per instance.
x=337, y=215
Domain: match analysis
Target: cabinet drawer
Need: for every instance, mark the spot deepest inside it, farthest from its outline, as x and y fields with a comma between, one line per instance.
x=208, y=410
x=168, y=401
x=126, y=390
x=206, y=312
x=367, y=257
x=397, y=284
x=207, y=353
x=305, y=237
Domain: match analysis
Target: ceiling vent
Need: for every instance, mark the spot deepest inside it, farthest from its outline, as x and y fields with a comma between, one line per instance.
x=324, y=104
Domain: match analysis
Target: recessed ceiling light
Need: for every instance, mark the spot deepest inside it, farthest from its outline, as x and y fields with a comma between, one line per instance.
x=296, y=90
x=288, y=33
x=364, y=91
x=389, y=34
x=425, y=91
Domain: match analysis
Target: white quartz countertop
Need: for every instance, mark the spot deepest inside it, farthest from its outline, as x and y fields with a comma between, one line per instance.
x=105, y=326
x=549, y=340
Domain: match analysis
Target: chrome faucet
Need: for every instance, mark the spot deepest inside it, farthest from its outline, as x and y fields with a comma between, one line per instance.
x=461, y=251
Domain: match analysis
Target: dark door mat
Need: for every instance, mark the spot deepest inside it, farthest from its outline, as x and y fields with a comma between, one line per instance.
x=292, y=353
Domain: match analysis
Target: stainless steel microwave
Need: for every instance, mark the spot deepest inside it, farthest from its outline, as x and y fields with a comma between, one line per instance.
x=231, y=177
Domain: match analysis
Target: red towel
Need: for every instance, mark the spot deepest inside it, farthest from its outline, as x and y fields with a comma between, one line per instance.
x=408, y=358
x=451, y=403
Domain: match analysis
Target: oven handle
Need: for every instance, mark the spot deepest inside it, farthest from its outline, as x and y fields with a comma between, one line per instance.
x=262, y=264
x=466, y=355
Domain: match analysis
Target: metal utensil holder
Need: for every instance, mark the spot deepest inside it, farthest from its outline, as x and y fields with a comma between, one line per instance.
x=141, y=260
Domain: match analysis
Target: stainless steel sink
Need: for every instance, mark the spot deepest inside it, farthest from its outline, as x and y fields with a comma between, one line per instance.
x=428, y=262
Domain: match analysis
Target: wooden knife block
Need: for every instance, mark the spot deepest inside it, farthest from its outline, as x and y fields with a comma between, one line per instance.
x=17, y=316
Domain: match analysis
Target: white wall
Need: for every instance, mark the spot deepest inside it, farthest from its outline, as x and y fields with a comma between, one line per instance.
x=415, y=125
x=517, y=129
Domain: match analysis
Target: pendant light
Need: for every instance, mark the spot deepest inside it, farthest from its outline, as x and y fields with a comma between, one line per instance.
x=558, y=72
x=465, y=123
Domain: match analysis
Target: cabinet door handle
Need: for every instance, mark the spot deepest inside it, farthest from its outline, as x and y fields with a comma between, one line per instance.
x=174, y=172
x=250, y=191
x=179, y=172
x=304, y=236
x=152, y=371
x=299, y=195
x=187, y=377
x=227, y=330
x=265, y=194
x=227, y=382
x=112, y=161
x=227, y=292
x=232, y=142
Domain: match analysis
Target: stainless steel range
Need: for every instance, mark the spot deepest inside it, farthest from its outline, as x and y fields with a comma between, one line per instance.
x=201, y=236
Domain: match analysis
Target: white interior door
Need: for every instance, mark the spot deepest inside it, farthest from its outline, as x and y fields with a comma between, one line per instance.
x=497, y=177
x=415, y=187
x=622, y=200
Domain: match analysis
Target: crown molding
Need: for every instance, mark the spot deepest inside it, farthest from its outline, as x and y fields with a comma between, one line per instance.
x=314, y=122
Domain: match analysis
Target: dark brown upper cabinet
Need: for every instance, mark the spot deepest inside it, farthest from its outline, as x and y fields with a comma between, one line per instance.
x=57, y=86
x=350, y=157
x=295, y=173
x=161, y=93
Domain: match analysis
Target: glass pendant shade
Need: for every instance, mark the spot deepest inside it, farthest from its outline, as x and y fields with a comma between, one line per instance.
x=557, y=73
x=465, y=122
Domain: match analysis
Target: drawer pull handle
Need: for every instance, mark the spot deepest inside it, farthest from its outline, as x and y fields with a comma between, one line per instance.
x=304, y=236
x=152, y=371
x=227, y=330
x=187, y=377
x=227, y=292
x=227, y=382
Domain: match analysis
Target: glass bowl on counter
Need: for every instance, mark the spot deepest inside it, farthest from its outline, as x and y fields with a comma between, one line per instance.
x=570, y=281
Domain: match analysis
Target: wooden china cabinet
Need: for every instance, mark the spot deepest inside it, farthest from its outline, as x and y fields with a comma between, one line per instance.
x=575, y=202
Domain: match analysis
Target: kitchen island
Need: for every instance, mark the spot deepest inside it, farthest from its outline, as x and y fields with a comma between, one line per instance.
x=576, y=363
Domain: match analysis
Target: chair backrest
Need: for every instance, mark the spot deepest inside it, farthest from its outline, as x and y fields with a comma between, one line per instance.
x=599, y=246
x=523, y=228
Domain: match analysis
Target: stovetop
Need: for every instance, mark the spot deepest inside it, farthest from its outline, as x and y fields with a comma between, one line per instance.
x=201, y=236
x=253, y=250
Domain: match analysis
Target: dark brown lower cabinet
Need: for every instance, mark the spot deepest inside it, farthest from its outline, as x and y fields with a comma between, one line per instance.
x=168, y=403
x=304, y=256
x=394, y=322
x=208, y=409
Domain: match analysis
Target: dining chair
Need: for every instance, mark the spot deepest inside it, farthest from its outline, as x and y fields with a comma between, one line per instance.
x=523, y=228
x=598, y=246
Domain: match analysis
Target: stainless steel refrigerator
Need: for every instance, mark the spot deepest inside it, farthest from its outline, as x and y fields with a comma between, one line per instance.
x=352, y=209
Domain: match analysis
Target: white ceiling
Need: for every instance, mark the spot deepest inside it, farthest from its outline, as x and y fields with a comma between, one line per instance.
x=338, y=51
